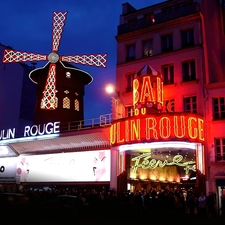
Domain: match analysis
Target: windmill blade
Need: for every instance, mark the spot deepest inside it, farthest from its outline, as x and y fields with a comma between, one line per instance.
x=57, y=29
x=17, y=56
x=98, y=60
x=48, y=100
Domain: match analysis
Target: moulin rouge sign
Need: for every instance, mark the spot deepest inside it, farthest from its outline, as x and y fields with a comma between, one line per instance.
x=157, y=128
x=148, y=123
x=31, y=131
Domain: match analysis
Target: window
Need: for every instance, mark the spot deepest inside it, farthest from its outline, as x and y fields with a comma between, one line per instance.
x=130, y=20
x=167, y=42
x=168, y=105
x=43, y=103
x=130, y=111
x=149, y=18
x=76, y=105
x=190, y=104
x=219, y=144
x=187, y=38
x=147, y=48
x=56, y=102
x=168, y=74
x=66, y=103
x=130, y=52
x=188, y=70
x=129, y=78
x=219, y=108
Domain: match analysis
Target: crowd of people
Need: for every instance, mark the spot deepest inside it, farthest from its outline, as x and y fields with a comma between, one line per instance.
x=137, y=207
x=172, y=201
x=164, y=201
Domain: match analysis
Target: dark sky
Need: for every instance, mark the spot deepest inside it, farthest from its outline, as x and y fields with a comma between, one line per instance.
x=90, y=27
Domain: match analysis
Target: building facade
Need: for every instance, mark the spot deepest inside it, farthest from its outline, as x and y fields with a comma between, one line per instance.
x=184, y=41
x=168, y=115
x=18, y=94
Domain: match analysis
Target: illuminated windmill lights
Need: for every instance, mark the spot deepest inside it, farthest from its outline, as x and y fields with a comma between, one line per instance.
x=49, y=93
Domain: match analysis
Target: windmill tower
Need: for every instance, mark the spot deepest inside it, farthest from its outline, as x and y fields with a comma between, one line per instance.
x=60, y=86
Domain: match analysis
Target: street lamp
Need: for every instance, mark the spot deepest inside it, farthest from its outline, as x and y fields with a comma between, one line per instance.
x=110, y=88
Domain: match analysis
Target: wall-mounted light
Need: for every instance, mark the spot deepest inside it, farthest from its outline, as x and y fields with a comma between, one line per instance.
x=110, y=88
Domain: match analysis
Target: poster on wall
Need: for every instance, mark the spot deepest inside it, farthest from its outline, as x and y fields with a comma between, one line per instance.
x=8, y=169
x=88, y=166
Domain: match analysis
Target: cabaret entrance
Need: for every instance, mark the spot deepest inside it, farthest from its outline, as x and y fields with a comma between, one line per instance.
x=159, y=151
x=161, y=165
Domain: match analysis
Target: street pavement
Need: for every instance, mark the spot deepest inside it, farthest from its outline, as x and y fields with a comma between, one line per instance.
x=150, y=219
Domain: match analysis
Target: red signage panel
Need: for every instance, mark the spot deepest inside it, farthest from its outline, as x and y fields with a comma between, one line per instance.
x=157, y=127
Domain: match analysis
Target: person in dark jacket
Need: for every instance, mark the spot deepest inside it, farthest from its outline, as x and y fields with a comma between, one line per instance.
x=211, y=201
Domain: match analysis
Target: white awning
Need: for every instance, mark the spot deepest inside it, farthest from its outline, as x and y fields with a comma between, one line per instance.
x=69, y=142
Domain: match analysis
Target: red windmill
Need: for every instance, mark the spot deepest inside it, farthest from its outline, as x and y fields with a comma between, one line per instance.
x=48, y=76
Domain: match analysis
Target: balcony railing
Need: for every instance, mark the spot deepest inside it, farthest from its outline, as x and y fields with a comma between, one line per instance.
x=159, y=18
x=102, y=121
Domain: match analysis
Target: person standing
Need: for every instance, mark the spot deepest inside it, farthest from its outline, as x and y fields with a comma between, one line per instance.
x=191, y=202
x=211, y=201
x=202, y=204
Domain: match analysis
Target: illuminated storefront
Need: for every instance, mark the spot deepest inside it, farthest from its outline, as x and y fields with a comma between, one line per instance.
x=162, y=154
x=154, y=148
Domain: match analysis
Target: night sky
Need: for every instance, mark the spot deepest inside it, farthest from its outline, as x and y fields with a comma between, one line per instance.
x=90, y=27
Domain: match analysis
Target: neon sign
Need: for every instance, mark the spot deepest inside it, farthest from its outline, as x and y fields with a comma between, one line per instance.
x=149, y=163
x=31, y=131
x=147, y=93
x=157, y=127
x=49, y=128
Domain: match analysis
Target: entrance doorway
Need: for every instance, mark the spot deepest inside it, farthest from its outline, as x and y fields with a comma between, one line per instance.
x=221, y=200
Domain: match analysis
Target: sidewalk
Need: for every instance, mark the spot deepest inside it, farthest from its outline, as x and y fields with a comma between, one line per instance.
x=160, y=219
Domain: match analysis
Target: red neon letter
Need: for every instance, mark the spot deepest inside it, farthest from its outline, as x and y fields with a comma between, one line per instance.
x=150, y=127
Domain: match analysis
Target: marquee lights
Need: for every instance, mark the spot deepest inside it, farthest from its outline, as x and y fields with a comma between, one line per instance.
x=157, y=127
x=156, y=145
